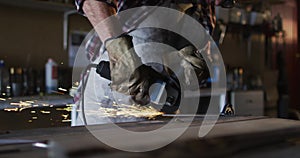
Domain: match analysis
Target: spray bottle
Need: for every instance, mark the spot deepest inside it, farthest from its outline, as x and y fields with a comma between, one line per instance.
x=51, y=76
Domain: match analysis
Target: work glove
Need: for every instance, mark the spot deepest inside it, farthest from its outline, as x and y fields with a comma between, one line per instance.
x=190, y=61
x=128, y=75
x=194, y=62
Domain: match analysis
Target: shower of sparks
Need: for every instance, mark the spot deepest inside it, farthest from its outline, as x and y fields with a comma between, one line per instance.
x=115, y=111
x=22, y=104
x=126, y=111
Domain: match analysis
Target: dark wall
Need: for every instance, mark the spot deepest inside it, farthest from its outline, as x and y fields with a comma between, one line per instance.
x=28, y=37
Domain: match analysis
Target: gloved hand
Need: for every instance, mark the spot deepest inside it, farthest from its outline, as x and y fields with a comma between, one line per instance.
x=190, y=61
x=193, y=57
x=128, y=74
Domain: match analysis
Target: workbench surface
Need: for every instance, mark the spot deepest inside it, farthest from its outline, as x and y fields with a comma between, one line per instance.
x=230, y=137
x=31, y=112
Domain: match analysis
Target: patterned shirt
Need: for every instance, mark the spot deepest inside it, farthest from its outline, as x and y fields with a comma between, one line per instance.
x=204, y=12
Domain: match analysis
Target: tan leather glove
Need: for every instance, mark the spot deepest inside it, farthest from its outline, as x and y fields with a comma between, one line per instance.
x=193, y=57
x=187, y=61
x=128, y=74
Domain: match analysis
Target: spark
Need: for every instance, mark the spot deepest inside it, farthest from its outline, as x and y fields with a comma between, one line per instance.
x=70, y=105
x=66, y=121
x=21, y=109
x=64, y=109
x=57, y=92
x=2, y=99
x=29, y=101
x=11, y=109
x=34, y=118
x=62, y=89
x=21, y=104
x=33, y=112
x=65, y=116
x=45, y=112
x=15, y=104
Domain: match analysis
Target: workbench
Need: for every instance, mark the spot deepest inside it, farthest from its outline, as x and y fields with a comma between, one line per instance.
x=230, y=137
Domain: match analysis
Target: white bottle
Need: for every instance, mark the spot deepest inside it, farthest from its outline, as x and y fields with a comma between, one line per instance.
x=51, y=76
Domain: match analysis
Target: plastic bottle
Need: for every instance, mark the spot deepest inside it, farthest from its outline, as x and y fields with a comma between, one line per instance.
x=4, y=80
x=51, y=76
x=16, y=81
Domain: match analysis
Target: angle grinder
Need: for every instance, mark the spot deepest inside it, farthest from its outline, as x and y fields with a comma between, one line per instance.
x=164, y=95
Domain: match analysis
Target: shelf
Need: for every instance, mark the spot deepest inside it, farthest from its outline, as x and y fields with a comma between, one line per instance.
x=42, y=5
